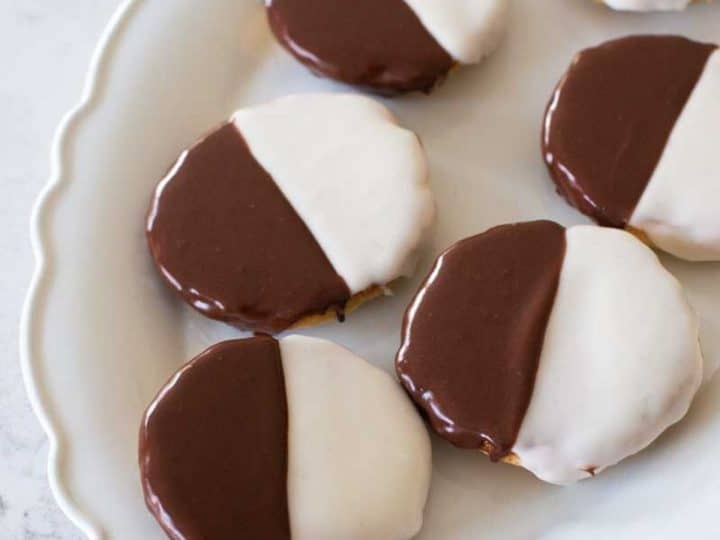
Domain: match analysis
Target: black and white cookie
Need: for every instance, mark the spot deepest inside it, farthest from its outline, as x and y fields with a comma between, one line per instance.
x=560, y=350
x=631, y=139
x=389, y=46
x=277, y=440
x=292, y=211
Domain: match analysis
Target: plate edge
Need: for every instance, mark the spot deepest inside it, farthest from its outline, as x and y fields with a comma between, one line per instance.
x=31, y=320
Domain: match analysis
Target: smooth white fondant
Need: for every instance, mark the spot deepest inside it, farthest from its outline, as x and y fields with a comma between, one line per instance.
x=467, y=29
x=356, y=178
x=679, y=208
x=648, y=5
x=358, y=453
x=620, y=361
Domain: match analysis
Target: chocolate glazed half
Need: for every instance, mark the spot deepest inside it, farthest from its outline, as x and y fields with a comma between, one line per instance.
x=610, y=118
x=473, y=335
x=378, y=44
x=225, y=238
x=214, y=446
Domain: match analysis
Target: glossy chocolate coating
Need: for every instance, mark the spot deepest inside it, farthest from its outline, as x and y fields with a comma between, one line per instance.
x=378, y=44
x=213, y=446
x=473, y=335
x=610, y=118
x=224, y=236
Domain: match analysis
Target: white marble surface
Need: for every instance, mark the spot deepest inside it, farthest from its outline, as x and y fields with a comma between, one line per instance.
x=45, y=47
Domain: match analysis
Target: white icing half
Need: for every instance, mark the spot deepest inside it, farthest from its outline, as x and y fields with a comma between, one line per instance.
x=648, y=5
x=358, y=453
x=679, y=208
x=468, y=30
x=356, y=178
x=620, y=361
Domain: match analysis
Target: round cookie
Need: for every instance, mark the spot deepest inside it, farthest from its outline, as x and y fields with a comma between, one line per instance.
x=292, y=439
x=388, y=46
x=630, y=139
x=293, y=210
x=648, y=5
x=519, y=335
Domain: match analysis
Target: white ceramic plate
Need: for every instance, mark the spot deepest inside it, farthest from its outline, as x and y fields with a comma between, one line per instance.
x=101, y=333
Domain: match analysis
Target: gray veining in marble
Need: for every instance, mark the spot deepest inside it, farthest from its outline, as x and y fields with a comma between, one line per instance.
x=45, y=47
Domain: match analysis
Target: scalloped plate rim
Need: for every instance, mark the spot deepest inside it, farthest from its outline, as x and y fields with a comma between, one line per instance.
x=41, y=282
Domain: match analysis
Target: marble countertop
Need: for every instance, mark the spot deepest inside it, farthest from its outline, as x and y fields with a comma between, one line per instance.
x=45, y=48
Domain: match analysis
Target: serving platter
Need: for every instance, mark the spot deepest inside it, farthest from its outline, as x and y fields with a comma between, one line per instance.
x=101, y=333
